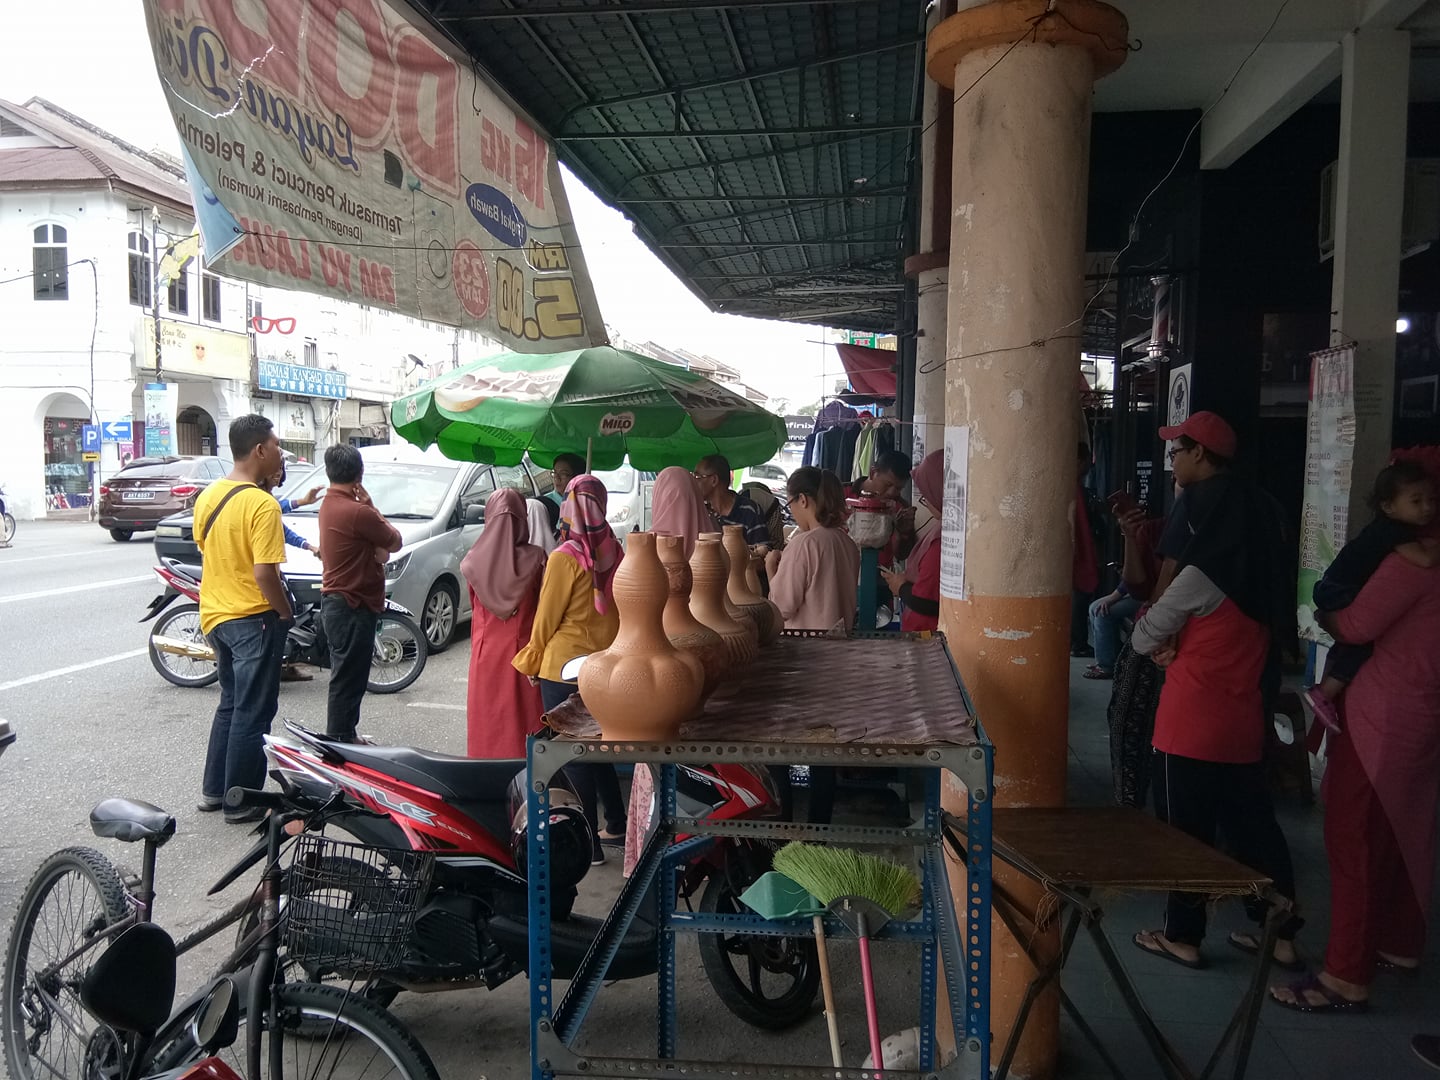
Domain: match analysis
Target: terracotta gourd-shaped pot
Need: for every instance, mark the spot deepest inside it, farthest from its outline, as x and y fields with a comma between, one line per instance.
x=768, y=620
x=641, y=687
x=707, y=600
x=686, y=632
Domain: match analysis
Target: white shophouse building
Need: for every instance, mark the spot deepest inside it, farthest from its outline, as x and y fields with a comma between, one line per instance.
x=79, y=233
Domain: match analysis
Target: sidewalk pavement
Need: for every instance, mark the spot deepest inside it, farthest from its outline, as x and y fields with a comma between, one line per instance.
x=1193, y=1007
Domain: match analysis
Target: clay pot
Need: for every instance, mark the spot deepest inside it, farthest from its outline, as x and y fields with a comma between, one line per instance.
x=642, y=687
x=686, y=632
x=768, y=620
x=709, y=569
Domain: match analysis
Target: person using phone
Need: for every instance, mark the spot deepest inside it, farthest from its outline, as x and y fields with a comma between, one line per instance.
x=1109, y=613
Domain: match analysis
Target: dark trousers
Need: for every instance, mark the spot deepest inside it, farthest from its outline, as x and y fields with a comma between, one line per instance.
x=247, y=653
x=598, y=786
x=1204, y=798
x=350, y=633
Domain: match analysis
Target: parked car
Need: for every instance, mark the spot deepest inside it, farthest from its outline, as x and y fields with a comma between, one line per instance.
x=137, y=497
x=437, y=504
x=628, y=498
x=772, y=474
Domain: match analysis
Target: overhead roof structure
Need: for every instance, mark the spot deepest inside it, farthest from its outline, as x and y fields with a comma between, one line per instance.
x=764, y=149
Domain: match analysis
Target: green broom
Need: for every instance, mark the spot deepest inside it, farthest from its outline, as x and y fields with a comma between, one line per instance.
x=864, y=891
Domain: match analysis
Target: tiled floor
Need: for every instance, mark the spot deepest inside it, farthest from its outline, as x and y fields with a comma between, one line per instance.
x=1192, y=1007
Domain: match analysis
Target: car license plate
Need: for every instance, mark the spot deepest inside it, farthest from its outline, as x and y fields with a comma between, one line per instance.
x=138, y=496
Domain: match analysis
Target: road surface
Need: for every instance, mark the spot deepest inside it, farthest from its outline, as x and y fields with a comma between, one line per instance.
x=94, y=719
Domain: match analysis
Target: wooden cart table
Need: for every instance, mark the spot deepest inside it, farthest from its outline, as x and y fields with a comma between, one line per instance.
x=1073, y=852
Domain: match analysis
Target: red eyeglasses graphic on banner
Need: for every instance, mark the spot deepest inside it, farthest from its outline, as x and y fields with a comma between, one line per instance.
x=263, y=325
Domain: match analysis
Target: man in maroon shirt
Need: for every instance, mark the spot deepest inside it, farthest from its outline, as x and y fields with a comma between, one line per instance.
x=354, y=540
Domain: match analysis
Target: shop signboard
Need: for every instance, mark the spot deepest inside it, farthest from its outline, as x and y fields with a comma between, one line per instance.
x=344, y=150
x=798, y=428
x=190, y=349
x=161, y=402
x=1177, y=402
x=1329, y=456
x=302, y=381
x=294, y=420
x=887, y=342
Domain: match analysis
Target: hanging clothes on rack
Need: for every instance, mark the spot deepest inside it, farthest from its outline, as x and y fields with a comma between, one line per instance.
x=864, y=451
x=822, y=447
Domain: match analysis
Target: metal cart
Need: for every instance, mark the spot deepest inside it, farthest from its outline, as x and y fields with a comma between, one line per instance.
x=774, y=718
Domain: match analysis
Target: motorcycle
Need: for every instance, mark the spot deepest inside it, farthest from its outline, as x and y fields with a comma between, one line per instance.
x=182, y=655
x=472, y=925
x=7, y=522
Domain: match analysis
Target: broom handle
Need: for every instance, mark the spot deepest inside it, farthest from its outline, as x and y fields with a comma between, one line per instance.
x=871, y=1019
x=829, y=990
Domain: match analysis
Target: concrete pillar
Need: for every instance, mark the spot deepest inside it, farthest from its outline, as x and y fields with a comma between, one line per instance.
x=930, y=265
x=1369, y=198
x=1017, y=243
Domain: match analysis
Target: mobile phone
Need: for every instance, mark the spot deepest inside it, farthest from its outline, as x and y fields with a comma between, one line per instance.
x=1121, y=503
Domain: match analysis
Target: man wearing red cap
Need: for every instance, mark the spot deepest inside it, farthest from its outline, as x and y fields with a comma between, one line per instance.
x=1214, y=629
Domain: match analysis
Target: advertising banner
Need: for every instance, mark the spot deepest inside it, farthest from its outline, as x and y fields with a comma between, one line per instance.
x=188, y=349
x=1177, y=402
x=334, y=146
x=1329, y=455
x=162, y=400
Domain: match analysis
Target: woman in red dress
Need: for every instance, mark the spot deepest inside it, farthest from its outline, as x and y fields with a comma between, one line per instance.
x=503, y=571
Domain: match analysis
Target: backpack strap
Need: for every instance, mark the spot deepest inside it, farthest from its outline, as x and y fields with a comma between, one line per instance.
x=210, y=521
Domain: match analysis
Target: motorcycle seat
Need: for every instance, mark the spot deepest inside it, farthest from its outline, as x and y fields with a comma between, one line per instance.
x=129, y=820
x=464, y=779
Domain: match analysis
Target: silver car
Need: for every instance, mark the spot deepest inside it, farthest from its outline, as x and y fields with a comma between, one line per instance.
x=439, y=507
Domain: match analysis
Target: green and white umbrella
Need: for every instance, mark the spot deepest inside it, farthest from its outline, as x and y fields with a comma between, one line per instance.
x=602, y=403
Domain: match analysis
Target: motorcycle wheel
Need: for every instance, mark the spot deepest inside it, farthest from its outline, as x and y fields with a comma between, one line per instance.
x=181, y=622
x=399, y=656
x=7, y=528
x=769, y=982
x=74, y=895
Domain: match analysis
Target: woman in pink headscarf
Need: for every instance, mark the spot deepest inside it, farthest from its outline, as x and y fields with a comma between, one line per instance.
x=576, y=617
x=919, y=586
x=678, y=509
x=503, y=571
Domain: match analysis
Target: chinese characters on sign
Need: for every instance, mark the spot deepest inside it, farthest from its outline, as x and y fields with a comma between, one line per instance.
x=952, y=516
x=1329, y=454
x=304, y=381
x=341, y=149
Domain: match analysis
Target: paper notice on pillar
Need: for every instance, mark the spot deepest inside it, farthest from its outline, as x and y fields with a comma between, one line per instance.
x=359, y=158
x=1329, y=456
x=952, y=516
x=1177, y=404
x=917, y=438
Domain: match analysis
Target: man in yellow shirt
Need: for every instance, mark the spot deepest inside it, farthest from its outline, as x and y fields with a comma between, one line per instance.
x=244, y=609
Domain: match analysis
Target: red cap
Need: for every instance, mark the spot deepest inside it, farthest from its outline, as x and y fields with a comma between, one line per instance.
x=1208, y=429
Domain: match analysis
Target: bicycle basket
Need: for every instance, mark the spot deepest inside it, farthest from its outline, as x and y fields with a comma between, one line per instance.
x=350, y=906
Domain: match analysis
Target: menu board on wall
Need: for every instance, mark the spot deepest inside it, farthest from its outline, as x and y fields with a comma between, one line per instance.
x=1329, y=457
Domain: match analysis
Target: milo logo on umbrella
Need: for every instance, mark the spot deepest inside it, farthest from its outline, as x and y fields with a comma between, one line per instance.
x=617, y=423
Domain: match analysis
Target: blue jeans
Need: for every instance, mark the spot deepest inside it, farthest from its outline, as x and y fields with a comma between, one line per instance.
x=248, y=652
x=1106, y=629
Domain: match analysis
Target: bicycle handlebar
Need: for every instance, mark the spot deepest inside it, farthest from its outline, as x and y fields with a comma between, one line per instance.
x=239, y=798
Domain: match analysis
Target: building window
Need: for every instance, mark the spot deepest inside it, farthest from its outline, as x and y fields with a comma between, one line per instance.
x=312, y=353
x=52, y=278
x=210, y=297
x=180, y=293
x=141, y=272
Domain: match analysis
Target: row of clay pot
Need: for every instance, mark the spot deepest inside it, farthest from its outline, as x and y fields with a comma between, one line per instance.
x=683, y=628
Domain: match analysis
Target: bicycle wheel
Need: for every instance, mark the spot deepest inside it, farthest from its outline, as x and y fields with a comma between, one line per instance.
x=48, y=1035
x=328, y=1032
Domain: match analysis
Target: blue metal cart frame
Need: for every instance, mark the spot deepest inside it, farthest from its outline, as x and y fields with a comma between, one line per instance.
x=555, y=1025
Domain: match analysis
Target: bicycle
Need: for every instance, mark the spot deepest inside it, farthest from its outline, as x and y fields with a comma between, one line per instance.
x=76, y=901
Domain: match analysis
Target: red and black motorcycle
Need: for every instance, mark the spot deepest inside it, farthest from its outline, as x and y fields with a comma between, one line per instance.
x=472, y=927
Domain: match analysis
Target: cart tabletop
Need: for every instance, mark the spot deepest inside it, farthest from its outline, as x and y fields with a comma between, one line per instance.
x=881, y=690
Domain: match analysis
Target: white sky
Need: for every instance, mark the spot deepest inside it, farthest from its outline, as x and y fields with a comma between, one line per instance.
x=99, y=66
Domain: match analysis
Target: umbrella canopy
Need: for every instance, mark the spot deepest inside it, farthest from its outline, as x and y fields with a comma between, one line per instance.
x=614, y=402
